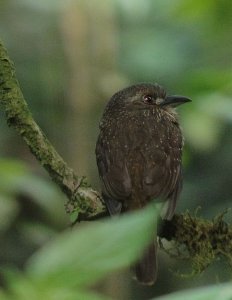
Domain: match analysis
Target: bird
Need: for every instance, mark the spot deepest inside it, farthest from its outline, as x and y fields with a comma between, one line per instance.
x=139, y=158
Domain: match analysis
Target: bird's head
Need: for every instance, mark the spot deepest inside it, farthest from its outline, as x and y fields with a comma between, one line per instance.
x=145, y=95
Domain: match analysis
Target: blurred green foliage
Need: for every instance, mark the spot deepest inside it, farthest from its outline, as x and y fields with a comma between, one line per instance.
x=70, y=57
x=27, y=218
x=79, y=258
x=65, y=268
x=219, y=291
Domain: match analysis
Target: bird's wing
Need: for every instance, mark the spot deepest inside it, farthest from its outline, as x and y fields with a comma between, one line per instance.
x=116, y=183
x=172, y=198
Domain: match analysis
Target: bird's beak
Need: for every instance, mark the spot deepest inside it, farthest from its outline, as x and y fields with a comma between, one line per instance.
x=175, y=100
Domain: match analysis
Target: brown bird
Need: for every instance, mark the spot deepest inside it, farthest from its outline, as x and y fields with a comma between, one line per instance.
x=138, y=153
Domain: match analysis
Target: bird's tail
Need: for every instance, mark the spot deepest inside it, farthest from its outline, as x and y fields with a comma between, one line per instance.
x=146, y=268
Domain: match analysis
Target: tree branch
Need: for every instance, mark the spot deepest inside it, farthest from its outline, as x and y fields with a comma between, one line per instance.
x=82, y=198
x=200, y=241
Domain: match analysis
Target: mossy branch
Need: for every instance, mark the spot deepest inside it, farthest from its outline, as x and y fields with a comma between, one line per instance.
x=200, y=241
x=204, y=240
x=82, y=198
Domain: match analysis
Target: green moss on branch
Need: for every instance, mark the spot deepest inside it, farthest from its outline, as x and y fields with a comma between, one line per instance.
x=82, y=198
x=204, y=241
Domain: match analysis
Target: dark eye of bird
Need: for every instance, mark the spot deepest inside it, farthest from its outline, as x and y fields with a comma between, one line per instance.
x=148, y=99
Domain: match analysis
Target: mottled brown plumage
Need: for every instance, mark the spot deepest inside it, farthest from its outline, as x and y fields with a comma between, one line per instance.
x=138, y=154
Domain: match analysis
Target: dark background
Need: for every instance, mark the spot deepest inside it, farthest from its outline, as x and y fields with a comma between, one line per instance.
x=70, y=57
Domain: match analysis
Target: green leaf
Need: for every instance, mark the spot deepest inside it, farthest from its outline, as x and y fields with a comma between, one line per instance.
x=20, y=287
x=16, y=178
x=84, y=255
x=3, y=296
x=215, y=292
